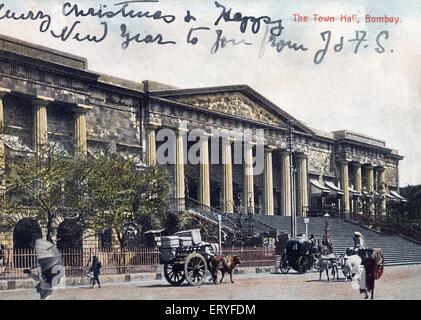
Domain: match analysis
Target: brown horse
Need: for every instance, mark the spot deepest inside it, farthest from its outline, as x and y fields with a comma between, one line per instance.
x=223, y=264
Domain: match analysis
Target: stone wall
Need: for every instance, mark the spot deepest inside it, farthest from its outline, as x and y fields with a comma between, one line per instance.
x=18, y=121
x=320, y=161
x=6, y=239
x=391, y=175
x=61, y=127
x=115, y=120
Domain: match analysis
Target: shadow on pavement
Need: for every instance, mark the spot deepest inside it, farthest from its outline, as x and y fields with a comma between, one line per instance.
x=326, y=281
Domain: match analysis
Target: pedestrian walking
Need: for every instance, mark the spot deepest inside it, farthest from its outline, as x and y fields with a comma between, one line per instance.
x=2, y=259
x=95, y=271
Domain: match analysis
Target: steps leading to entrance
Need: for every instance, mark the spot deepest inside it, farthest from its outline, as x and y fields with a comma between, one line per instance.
x=397, y=250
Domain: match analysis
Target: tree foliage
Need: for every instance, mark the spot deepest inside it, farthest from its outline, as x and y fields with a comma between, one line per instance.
x=408, y=213
x=123, y=194
x=99, y=192
x=34, y=189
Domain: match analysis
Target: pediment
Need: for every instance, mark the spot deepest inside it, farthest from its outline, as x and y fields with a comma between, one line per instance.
x=234, y=104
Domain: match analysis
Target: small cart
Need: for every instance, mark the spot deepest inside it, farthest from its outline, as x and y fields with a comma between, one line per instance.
x=186, y=258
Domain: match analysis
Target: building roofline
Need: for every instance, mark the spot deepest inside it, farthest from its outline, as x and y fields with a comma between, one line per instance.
x=247, y=90
x=40, y=52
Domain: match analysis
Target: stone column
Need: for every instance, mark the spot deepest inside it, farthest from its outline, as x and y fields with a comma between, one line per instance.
x=286, y=185
x=381, y=173
x=204, y=180
x=370, y=185
x=3, y=92
x=268, y=182
x=81, y=142
x=180, y=186
x=227, y=183
x=151, y=144
x=343, y=168
x=248, y=193
x=357, y=177
x=370, y=178
x=302, y=184
x=358, y=186
x=40, y=135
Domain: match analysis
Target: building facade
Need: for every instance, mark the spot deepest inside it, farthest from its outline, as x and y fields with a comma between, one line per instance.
x=48, y=96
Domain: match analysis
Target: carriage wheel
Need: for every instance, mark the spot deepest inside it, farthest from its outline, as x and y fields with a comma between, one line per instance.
x=379, y=265
x=284, y=264
x=174, y=273
x=195, y=269
x=303, y=264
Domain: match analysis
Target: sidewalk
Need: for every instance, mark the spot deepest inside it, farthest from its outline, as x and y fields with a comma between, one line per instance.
x=120, y=278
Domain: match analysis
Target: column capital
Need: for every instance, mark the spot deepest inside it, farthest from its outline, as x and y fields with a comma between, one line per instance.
x=368, y=166
x=356, y=164
x=284, y=152
x=300, y=156
x=182, y=130
x=380, y=169
x=269, y=148
x=154, y=123
x=343, y=162
x=83, y=107
x=4, y=91
x=41, y=101
x=206, y=135
x=152, y=126
x=250, y=144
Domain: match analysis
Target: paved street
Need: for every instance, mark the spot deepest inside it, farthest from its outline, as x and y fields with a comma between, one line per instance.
x=401, y=282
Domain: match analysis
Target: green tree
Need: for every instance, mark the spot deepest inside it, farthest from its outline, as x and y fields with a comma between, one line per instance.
x=408, y=213
x=122, y=193
x=100, y=192
x=34, y=188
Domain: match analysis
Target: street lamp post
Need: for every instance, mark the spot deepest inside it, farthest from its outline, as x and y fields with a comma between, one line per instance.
x=327, y=241
x=306, y=221
x=326, y=216
x=292, y=178
x=220, y=233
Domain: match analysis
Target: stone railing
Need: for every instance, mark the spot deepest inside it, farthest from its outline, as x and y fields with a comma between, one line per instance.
x=380, y=224
x=240, y=224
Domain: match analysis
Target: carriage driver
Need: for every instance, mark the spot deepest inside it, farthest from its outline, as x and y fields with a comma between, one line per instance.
x=313, y=244
x=358, y=241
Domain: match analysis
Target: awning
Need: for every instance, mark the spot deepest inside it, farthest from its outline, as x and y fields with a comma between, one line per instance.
x=354, y=192
x=154, y=231
x=368, y=194
x=317, y=187
x=397, y=195
x=15, y=143
x=389, y=196
x=377, y=195
x=333, y=187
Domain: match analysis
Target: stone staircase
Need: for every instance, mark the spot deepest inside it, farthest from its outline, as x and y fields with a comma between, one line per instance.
x=397, y=250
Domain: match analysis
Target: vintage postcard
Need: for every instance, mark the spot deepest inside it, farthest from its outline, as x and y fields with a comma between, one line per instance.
x=210, y=150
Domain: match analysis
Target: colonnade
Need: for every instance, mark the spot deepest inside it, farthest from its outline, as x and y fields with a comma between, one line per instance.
x=227, y=195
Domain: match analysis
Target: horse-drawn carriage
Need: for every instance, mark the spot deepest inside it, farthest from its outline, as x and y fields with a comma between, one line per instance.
x=301, y=255
x=185, y=257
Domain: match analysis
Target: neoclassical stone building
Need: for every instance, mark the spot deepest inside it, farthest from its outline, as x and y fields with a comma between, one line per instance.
x=49, y=96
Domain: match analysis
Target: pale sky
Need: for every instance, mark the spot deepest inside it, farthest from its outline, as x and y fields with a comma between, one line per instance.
x=371, y=93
